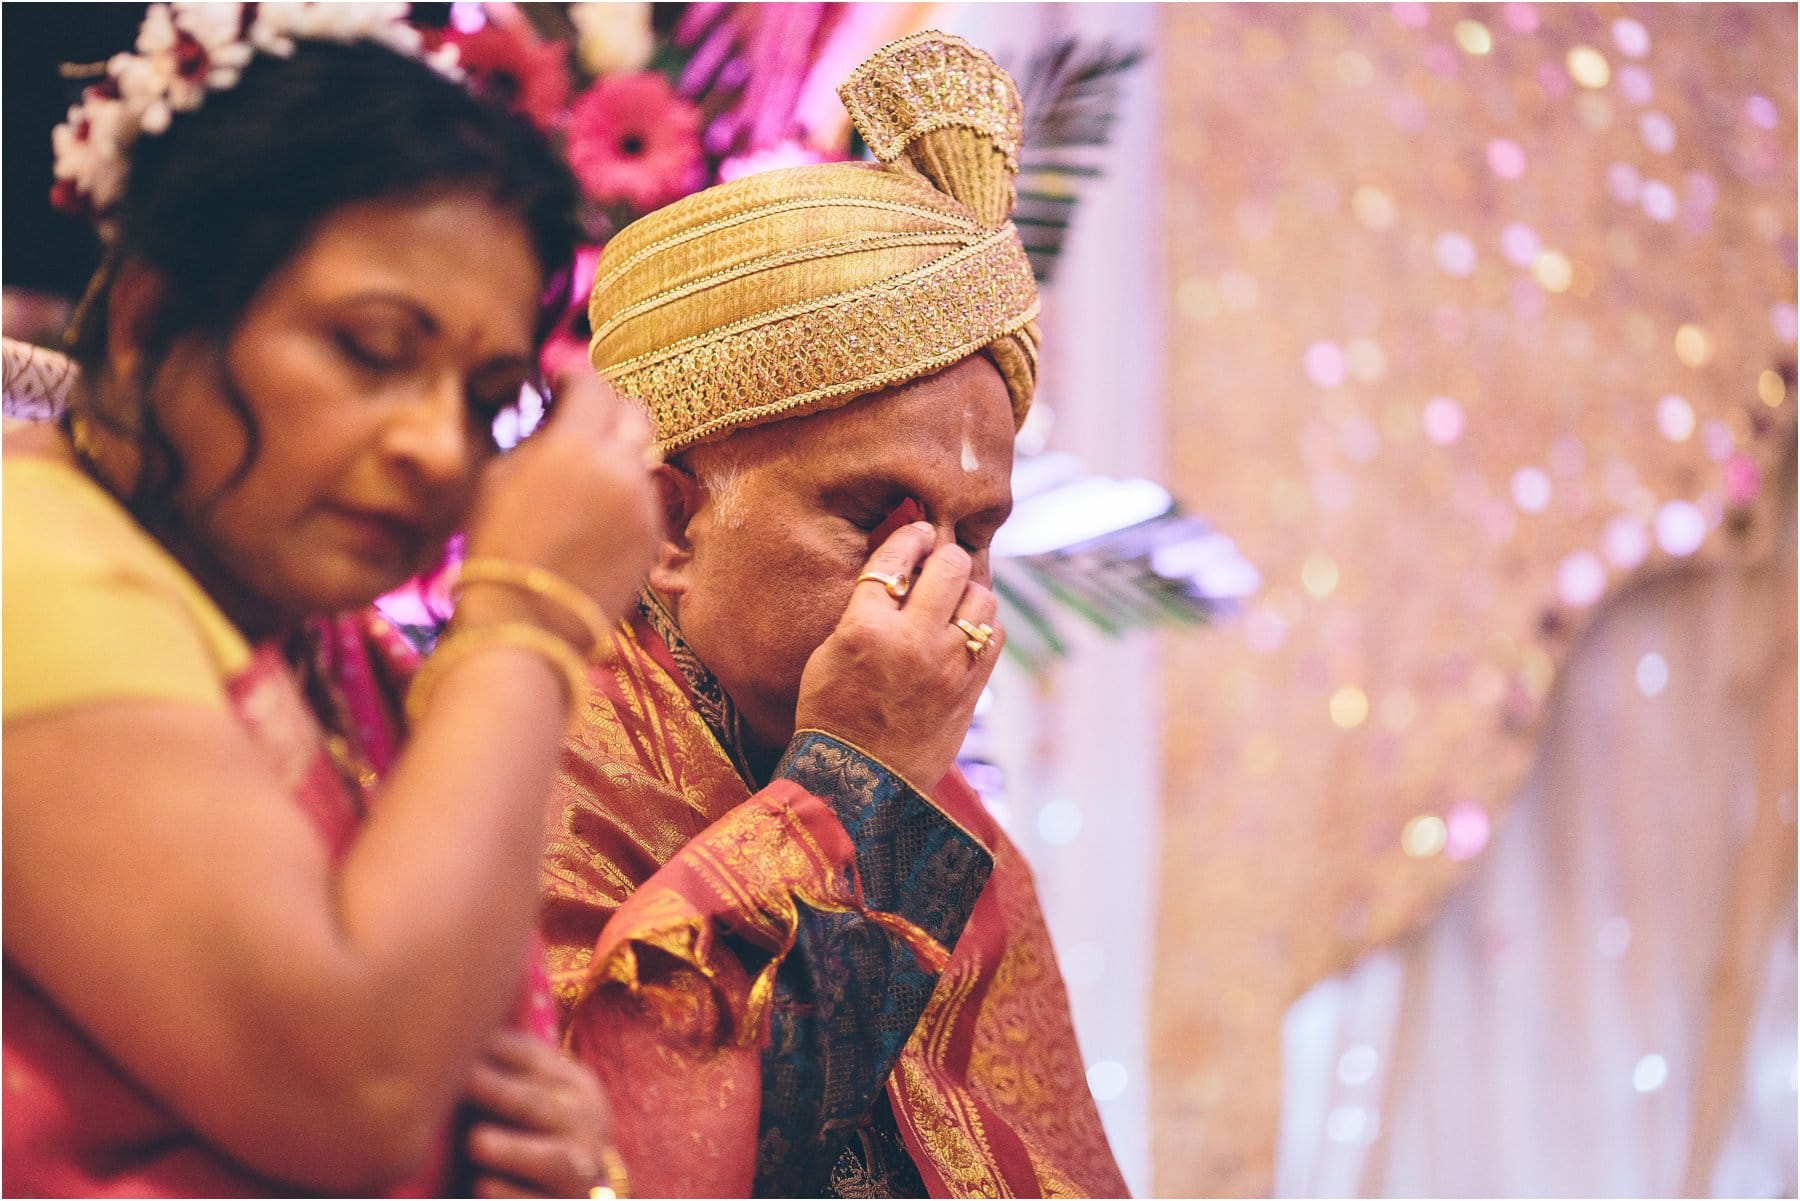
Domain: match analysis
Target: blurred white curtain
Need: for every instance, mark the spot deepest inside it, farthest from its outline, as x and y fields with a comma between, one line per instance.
x=1607, y=1008
x=1081, y=749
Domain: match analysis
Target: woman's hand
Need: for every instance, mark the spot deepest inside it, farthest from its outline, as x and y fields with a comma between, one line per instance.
x=545, y=1128
x=575, y=498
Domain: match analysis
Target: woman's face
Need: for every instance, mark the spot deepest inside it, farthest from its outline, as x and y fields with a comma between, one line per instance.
x=373, y=363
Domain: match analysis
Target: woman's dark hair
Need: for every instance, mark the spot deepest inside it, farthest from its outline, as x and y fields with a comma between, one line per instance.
x=224, y=197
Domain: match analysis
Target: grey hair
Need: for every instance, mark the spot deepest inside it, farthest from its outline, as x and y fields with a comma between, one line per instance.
x=720, y=471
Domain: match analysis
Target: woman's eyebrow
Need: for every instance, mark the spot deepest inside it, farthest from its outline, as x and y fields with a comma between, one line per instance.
x=428, y=324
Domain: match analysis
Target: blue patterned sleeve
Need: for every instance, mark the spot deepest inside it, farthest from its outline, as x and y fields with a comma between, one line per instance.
x=849, y=994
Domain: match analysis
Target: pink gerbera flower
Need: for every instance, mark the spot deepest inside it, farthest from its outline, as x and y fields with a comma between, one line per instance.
x=632, y=139
x=567, y=346
x=512, y=67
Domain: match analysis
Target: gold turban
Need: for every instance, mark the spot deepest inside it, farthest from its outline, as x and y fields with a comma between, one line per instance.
x=794, y=291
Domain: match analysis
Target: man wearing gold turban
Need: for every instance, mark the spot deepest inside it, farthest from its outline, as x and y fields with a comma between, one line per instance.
x=783, y=929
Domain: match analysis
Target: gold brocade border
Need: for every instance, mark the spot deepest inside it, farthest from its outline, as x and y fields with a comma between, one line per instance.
x=709, y=698
x=932, y=81
x=761, y=866
x=843, y=345
x=940, y=1109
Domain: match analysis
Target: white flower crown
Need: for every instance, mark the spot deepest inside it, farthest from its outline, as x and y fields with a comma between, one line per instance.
x=184, y=51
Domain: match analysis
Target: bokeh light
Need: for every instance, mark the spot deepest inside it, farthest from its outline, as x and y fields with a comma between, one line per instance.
x=1693, y=346
x=1587, y=67
x=1552, y=271
x=1680, y=527
x=1373, y=207
x=1771, y=388
x=1319, y=575
x=1349, y=707
x=1424, y=836
x=1675, y=418
x=1632, y=39
x=1531, y=489
x=1473, y=37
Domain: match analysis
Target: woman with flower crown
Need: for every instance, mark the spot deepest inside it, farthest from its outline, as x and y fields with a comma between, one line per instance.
x=268, y=912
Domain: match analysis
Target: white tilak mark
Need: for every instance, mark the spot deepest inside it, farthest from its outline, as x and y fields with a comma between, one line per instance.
x=969, y=461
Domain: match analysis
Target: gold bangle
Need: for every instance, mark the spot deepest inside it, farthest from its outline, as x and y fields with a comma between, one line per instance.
x=541, y=582
x=617, y=1186
x=463, y=643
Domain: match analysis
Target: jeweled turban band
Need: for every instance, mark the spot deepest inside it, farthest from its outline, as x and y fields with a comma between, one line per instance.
x=795, y=291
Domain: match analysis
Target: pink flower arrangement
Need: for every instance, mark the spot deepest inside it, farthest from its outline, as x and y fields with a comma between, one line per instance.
x=566, y=349
x=514, y=67
x=790, y=153
x=632, y=140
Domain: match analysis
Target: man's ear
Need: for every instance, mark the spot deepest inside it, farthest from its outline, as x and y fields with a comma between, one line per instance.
x=681, y=496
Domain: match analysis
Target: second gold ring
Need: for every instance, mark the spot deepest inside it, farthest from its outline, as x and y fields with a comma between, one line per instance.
x=979, y=636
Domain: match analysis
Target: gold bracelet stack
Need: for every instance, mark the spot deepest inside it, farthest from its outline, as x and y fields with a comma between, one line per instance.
x=617, y=1185
x=544, y=583
x=522, y=634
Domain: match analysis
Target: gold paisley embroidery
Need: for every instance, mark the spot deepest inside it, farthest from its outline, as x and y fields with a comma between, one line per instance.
x=942, y=1112
x=1025, y=1064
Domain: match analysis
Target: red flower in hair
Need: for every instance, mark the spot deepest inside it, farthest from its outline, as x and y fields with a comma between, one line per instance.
x=67, y=197
x=512, y=67
x=632, y=139
x=191, y=61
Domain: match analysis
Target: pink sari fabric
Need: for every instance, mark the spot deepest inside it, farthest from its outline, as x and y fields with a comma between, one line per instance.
x=75, y=1123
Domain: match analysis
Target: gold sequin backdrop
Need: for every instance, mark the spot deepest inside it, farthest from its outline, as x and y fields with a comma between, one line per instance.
x=1477, y=311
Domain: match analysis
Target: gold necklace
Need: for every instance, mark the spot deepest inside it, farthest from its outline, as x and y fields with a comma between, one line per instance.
x=81, y=437
x=332, y=712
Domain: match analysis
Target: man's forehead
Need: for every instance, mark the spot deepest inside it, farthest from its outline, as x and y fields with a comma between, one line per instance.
x=936, y=453
x=967, y=400
x=945, y=439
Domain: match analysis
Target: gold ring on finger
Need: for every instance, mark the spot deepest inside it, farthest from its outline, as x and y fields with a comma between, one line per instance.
x=897, y=585
x=979, y=636
x=977, y=633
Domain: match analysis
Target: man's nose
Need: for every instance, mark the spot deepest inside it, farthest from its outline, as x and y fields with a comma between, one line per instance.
x=980, y=568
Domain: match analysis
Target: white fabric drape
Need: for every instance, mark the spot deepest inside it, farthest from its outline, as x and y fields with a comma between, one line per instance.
x=1608, y=1007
